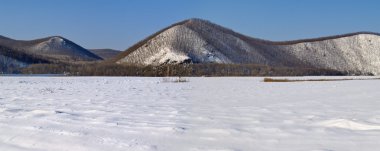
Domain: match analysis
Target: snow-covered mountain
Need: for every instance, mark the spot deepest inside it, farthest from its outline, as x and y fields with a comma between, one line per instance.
x=18, y=54
x=200, y=41
x=54, y=48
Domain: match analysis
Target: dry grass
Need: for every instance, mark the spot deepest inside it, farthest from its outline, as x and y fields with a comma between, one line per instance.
x=311, y=80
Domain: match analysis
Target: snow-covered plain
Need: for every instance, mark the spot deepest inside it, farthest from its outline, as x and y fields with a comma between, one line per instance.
x=213, y=114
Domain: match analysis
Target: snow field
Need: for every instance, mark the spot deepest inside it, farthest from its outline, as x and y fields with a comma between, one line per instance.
x=204, y=114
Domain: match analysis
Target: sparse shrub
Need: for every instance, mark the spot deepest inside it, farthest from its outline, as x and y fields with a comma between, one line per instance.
x=276, y=80
x=174, y=80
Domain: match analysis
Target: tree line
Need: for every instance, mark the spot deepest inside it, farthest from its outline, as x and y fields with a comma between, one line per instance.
x=110, y=69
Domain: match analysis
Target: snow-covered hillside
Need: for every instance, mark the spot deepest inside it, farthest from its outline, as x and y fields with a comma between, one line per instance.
x=354, y=53
x=204, y=114
x=200, y=41
x=206, y=44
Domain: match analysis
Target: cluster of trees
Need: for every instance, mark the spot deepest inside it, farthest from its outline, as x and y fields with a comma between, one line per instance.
x=108, y=69
x=20, y=55
x=9, y=60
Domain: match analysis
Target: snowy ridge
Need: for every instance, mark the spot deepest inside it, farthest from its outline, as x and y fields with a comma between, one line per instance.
x=204, y=42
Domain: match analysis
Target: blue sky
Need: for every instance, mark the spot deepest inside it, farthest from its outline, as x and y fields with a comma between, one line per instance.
x=118, y=24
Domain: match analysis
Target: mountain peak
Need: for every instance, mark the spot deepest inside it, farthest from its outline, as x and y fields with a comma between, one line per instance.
x=57, y=40
x=199, y=20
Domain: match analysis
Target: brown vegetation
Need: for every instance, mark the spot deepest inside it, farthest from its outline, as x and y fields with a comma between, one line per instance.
x=109, y=69
x=311, y=80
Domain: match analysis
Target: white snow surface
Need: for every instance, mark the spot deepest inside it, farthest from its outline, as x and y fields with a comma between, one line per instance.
x=204, y=114
x=166, y=55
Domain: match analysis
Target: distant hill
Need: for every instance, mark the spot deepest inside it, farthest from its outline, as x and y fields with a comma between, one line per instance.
x=200, y=41
x=19, y=53
x=105, y=53
x=56, y=47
